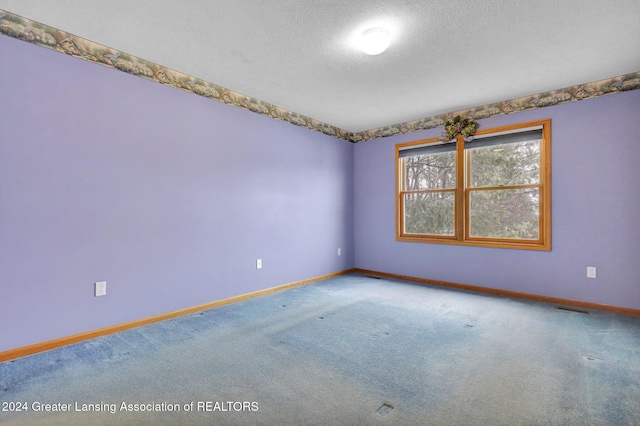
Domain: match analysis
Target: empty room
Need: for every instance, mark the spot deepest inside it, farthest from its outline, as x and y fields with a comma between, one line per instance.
x=316, y=212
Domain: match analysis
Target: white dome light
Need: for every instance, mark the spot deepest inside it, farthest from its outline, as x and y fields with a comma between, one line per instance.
x=374, y=41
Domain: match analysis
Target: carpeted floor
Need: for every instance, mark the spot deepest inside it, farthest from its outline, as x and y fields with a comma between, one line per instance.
x=353, y=350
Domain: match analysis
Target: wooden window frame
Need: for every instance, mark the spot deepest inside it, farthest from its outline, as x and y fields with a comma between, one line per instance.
x=462, y=194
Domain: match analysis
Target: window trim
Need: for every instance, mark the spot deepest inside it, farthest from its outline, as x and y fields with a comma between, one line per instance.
x=462, y=194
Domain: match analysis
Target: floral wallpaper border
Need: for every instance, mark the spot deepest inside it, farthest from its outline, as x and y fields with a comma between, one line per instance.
x=42, y=35
x=570, y=94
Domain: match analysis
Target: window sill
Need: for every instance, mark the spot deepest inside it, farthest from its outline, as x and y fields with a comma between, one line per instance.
x=476, y=243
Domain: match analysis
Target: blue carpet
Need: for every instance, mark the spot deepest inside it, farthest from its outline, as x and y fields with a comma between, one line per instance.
x=353, y=350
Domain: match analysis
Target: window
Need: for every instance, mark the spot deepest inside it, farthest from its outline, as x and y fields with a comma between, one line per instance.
x=494, y=190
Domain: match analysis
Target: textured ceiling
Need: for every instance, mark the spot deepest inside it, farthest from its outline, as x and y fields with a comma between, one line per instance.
x=445, y=55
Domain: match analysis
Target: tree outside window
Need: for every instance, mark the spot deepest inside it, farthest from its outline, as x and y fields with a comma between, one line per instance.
x=493, y=190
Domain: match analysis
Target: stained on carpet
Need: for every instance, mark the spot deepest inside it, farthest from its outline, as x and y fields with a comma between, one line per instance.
x=384, y=409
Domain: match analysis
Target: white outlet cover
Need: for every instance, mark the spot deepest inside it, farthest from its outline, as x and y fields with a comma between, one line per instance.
x=101, y=288
x=591, y=271
x=259, y=264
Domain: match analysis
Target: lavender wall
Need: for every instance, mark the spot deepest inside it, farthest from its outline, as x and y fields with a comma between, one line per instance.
x=167, y=196
x=595, y=208
x=170, y=198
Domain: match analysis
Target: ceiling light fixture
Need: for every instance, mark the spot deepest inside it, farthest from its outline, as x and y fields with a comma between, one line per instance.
x=374, y=41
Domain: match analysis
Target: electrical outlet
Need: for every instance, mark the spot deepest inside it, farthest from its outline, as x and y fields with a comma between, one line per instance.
x=101, y=288
x=259, y=264
x=339, y=252
x=591, y=271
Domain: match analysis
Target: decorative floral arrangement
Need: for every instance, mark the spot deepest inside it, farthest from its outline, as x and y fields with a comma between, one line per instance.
x=459, y=126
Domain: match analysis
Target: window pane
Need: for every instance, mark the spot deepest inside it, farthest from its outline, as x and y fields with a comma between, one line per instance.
x=506, y=164
x=431, y=213
x=508, y=213
x=432, y=171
